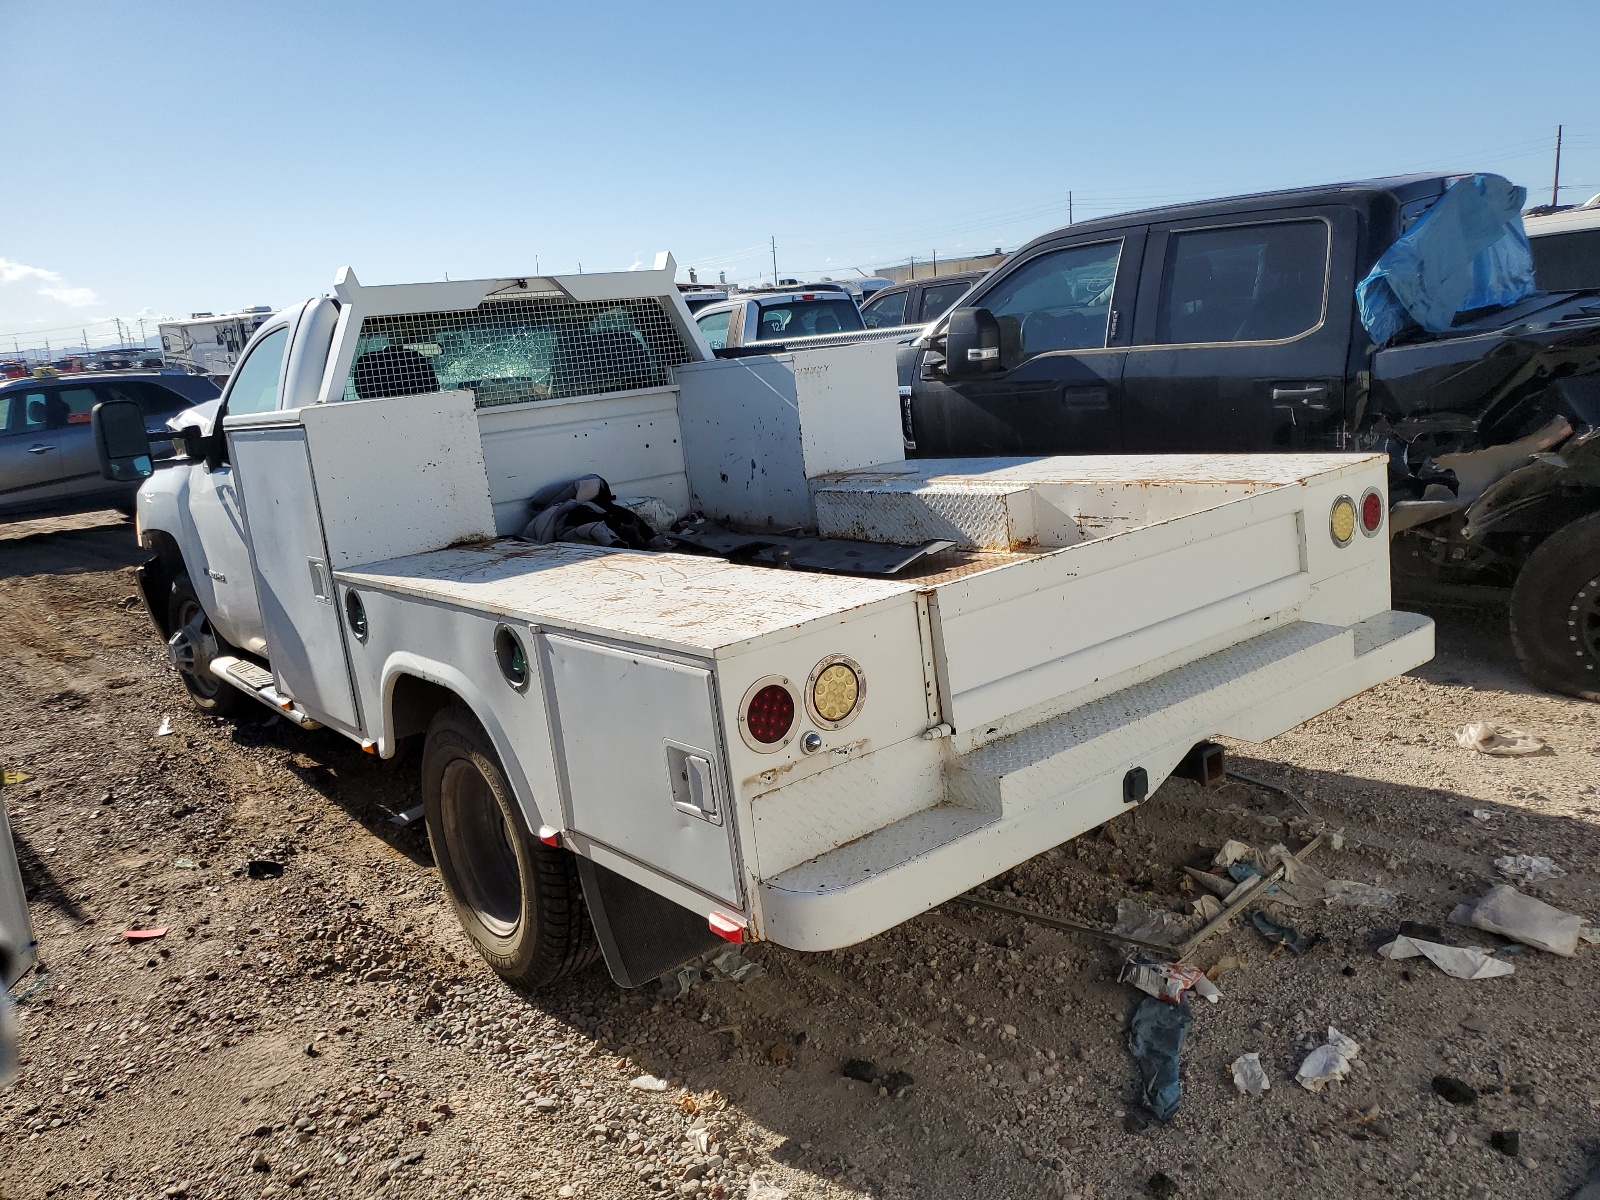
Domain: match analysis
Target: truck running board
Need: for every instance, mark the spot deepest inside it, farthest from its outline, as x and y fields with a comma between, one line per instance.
x=255, y=680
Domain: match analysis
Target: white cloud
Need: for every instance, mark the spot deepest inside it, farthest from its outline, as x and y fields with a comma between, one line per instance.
x=53, y=286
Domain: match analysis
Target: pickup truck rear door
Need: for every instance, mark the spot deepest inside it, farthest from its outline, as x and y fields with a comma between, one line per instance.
x=1242, y=333
x=1064, y=334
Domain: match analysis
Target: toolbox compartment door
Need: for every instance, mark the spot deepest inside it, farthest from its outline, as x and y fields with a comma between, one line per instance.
x=638, y=746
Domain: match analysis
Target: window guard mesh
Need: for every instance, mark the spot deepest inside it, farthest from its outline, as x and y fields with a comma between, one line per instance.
x=511, y=351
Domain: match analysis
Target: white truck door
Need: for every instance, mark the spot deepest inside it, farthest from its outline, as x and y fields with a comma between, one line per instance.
x=638, y=746
x=218, y=556
x=293, y=577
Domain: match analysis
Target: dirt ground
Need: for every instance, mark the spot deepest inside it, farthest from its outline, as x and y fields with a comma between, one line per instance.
x=329, y=1032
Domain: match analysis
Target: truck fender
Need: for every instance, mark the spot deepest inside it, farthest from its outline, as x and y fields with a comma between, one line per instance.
x=403, y=664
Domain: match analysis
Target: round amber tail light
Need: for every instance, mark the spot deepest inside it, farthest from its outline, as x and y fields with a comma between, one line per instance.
x=1342, y=521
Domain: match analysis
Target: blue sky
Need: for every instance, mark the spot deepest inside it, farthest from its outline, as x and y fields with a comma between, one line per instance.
x=169, y=157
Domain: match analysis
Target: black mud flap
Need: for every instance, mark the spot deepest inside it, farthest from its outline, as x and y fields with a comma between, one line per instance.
x=154, y=586
x=642, y=935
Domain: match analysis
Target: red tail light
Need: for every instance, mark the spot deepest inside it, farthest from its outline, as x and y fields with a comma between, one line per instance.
x=770, y=715
x=1371, y=511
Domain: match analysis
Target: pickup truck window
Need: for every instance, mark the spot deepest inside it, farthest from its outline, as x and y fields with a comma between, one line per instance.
x=1243, y=283
x=1567, y=262
x=518, y=350
x=255, y=383
x=807, y=318
x=715, y=328
x=1059, y=301
x=940, y=297
x=885, y=311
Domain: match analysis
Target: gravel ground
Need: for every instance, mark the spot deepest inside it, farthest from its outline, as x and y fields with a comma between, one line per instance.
x=329, y=1031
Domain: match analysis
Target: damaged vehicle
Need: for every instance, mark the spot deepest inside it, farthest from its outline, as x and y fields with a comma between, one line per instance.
x=1400, y=315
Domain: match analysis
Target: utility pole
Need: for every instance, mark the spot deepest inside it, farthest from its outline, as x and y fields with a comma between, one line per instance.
x=936, y=264
x=774, y=261
x=85, y=334
x=1555, y=184
x=1069, y=206
x=913, y=261
x=141, y=333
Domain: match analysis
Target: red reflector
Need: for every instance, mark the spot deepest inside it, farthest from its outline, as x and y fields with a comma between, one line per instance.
x=1371, y=511
x=550, y=837
x=770, y=715
x=808, y=295
x=726, y=928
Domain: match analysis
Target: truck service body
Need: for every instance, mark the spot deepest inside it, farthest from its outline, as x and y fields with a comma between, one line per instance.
x=714, y=746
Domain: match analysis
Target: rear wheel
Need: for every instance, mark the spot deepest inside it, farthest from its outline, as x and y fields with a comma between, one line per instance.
x=186, y=616
x=1555, y=611
x=519, y=901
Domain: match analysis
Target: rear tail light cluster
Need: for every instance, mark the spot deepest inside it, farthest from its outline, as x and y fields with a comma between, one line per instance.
x=1371, y=512
x=770, y=710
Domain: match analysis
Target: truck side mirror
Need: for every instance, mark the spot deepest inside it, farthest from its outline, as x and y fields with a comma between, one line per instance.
x=121, y=441
x=972, y=343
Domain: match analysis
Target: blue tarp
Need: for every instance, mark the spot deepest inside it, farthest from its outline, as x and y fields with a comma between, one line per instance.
x=1467, y=251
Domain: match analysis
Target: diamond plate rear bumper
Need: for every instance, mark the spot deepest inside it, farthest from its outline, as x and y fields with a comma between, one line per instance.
x=1016, y=797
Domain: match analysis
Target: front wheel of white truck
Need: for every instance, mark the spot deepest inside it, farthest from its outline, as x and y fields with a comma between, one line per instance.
x=519, y=901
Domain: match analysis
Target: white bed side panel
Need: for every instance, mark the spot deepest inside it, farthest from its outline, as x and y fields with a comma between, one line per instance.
x=631, y=439
x=398, y=476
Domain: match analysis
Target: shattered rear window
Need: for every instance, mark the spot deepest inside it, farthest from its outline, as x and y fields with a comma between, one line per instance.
x=518, y=350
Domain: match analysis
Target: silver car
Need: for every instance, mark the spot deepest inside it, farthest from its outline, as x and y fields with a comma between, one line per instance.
x=47, y=455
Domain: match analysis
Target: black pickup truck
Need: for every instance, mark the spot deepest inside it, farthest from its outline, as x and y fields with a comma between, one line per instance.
x=1232, y=325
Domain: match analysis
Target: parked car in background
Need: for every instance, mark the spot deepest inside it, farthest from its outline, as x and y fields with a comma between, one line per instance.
x=1566, y=246
x=700, y=295
x=919, y=301
x=1233, y=326
x=47, y=455
x=767, y=316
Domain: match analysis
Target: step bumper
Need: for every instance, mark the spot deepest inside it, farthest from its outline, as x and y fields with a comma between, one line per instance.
x=1019, y=796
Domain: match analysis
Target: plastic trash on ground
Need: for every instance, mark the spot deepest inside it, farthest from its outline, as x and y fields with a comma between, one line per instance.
x=1155, y=1042
x=1146, y=924
x=1164, y=980
x=1249, y=1076
x=1467, y=251
x=165, y=728
x=1490, y=737
x=1527, y=868
x=1286, y=936
x=647, y=1083
x=716, y=966
x=1358, y=895
x=1506, y=911
x=1328, y=1062
x=1459, y=962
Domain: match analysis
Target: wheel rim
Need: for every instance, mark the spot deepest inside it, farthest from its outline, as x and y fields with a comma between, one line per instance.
x=1583, y=623
x=207, y=686
x=480, y=848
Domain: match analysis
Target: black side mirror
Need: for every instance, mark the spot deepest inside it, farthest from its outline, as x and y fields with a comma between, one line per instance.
x=121, y=441
x=972, y=343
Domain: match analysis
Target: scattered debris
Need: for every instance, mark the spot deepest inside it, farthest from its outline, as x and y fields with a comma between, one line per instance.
x=1506, y=911
x=1286, y=936
x=1358, y=895
x=185, y=864
x=1484, y=815
x=12, y=778
x=1215, y=884
x=264, y=868
x=860, y=1070
x=1453, y=1090
x=1139, y=922
x=1164, y=980
x=407, y=817
x=1589, y=934
x=647, y=1083
x=1155, y=1041
x=1328, y=1062
x=1527, y=868
x=1459, y=962
x=165, y=728
x=715, y=966
x=144, y=935
x=1490, y=737
x=1206, y=907
x=1507, y=1141
x=1249, y=1076
x=1228, y=962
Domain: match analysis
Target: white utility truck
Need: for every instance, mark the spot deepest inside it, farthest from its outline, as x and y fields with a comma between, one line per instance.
x=849, y=689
